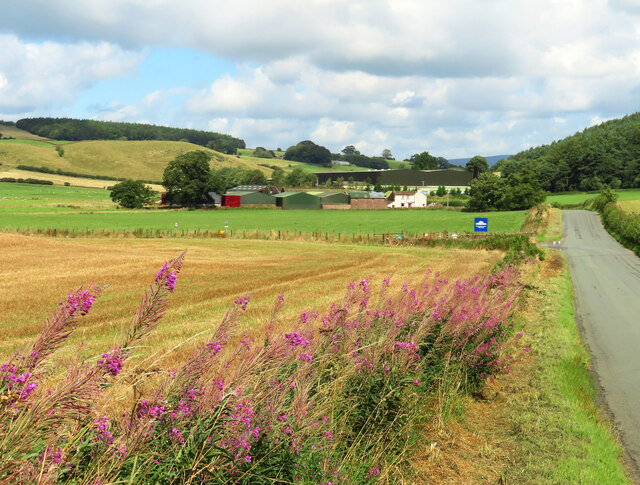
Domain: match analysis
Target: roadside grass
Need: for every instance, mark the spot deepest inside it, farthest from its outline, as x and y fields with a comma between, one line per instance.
x=552, y=229
x=561, y=436
x=539, y=424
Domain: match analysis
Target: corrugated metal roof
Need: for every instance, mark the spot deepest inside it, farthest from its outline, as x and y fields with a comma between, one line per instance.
x=287, y=194
x=250, y=188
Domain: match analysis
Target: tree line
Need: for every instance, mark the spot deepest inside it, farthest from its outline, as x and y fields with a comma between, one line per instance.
x=602, y=156
x=77, y=130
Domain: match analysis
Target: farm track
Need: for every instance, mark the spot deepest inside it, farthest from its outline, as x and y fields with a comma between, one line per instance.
x=606, y=279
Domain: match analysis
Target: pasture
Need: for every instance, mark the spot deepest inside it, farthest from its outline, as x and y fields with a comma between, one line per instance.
x=144, y=160
x=32, y=207
x=580, y=197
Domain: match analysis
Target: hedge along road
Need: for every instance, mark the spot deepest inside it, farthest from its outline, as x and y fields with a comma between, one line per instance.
x=606, y=280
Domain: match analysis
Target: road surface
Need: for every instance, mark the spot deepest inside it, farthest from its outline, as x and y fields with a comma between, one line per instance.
x=606, y=280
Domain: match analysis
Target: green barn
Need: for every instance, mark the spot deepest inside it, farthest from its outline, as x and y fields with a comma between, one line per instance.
x=251, y=197
x=298, y=200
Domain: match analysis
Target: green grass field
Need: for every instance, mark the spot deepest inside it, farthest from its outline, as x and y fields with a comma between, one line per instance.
x=580, y=197
x=33, y=207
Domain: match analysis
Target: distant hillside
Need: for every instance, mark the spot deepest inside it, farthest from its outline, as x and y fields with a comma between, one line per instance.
x=606, y=155
x=81, y=130
x=491, y=160
x=144, y=160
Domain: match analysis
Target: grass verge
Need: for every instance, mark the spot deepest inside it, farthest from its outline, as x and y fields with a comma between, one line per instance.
x=552, y=230
x=539, y=424
x=560, y=434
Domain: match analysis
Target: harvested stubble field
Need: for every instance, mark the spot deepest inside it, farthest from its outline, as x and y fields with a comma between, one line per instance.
x=39, y=271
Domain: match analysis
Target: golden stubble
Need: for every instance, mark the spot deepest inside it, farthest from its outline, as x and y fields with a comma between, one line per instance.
x=40, y=271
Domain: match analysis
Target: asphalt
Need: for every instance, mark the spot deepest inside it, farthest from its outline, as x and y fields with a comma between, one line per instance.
x=606, y=280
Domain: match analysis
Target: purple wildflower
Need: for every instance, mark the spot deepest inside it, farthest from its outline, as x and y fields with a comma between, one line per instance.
x=306, y=357
x=242, y=302
x=170, y=284
x=294, y=339
x=215, y=347
x=111, y=362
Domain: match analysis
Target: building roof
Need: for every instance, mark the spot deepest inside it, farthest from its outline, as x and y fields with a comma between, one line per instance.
x=250, y=188
x=240, y=192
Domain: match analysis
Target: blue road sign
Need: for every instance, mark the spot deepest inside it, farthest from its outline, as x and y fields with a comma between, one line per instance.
x=481, y=224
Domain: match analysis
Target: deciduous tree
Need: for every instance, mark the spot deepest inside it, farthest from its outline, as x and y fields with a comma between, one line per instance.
x=187, y=178
x=132, y=194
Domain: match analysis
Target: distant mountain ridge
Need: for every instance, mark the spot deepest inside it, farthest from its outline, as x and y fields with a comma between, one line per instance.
x=491, y=160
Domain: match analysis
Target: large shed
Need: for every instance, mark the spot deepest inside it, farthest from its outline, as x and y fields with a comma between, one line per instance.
x=241, y=198
x=334, y=200
x=298, y=200
x=411, y=178
x=368, y=200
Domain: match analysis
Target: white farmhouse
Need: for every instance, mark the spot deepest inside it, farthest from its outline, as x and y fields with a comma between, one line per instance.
x=407, y=198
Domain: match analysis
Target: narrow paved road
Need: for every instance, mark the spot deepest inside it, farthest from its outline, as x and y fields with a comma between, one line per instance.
x=606, y=279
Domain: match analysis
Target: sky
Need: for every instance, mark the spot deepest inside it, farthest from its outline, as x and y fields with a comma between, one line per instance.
x=456, y=78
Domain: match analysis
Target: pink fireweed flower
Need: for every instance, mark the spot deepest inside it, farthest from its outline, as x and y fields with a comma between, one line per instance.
x=81, y=300
x=170, y=283
x=214, y=347
x=306, y=357
x=176, y=436
x=328, y=435
x=416, y=382
x=242, y=302
x=27, y=390
x=374, y=471
x=160, y=274
x=295, y=339
x=281, y=297
x=101, y=424
x=111, y=362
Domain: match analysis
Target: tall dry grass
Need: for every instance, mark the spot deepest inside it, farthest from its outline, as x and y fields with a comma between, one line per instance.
x=334, y=398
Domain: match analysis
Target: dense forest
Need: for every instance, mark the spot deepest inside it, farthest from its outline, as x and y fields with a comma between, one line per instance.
x=603, y=156
x=76, y=130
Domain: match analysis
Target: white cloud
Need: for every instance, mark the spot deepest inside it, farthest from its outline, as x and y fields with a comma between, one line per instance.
x=49, y=75
x=455, y=78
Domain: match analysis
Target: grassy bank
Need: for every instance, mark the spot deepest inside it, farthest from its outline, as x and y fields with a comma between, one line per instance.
x=561, y=435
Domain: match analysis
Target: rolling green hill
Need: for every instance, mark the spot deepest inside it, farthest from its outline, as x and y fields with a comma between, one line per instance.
x=143, y=160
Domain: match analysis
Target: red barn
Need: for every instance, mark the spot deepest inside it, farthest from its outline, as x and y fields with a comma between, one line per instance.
x=231, y=200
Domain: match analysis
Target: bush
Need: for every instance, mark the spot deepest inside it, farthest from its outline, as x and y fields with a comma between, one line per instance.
x=132, y=194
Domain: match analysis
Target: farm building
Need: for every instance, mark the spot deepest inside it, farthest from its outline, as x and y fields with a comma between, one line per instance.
x=412, y=198
x=298, y=200
x=245, y=197
x=215, y=197
x=333, y=200
x=272, y=189
x=410, y=178
x=368, y=200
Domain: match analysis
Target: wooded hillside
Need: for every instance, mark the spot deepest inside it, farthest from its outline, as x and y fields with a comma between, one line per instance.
x=76, y=130
x=606, y=155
